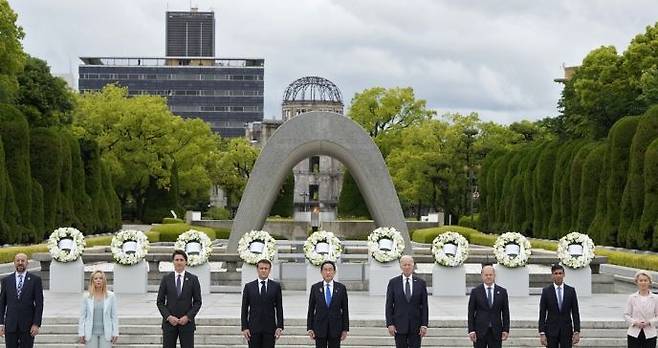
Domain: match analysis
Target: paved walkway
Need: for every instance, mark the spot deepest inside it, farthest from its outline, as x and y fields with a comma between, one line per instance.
x=599, y=307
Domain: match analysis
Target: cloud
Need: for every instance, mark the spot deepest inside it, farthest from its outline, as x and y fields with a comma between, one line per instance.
x=496, y=58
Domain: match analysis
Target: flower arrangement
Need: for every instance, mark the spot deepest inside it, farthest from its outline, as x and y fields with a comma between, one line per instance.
x=129, y=247
x=322, y=246
x=66, y=244
x=196, y=244
x=385, y=244
x=450, y=249
x=512, y=249
x=575, y=250
x=255, y=246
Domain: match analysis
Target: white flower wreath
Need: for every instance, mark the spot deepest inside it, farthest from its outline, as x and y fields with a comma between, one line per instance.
x=570, y=258
x=450, y=249
x=385, y=253
x=196, y=245
x=66, y=244
x=268, y=251
x=507, y=241
x=333, y=252
x=135, y=249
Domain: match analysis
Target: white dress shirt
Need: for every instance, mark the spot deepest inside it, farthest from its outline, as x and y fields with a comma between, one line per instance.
x=411, y=284
x=182, y=279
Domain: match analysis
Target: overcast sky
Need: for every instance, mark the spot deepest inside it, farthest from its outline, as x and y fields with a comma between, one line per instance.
x=497, y=58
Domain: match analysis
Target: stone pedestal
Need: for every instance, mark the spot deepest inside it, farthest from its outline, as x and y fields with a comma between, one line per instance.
x=580, y=279
x=448, y=281
x=203, y=273
x=249, y=272
x=131, y=279
x=379, y=274
x=67, y=277
x=515, y=280
x=313, y=274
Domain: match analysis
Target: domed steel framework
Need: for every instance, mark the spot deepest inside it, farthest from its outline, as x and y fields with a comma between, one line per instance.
x=312, y=88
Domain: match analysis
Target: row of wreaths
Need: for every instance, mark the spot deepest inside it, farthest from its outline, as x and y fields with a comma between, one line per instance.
x=385, y=244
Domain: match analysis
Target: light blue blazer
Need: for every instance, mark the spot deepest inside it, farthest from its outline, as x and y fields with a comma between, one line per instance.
x=110, y=318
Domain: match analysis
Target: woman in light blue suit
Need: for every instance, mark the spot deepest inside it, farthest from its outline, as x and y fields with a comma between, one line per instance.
x=99, y=325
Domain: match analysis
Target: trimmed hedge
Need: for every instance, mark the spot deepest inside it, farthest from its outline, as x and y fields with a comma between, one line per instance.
x=470, y=221
x=172, y=221
x=350, y=202
x=170, y=232
x=46, y=164
x=283, y=206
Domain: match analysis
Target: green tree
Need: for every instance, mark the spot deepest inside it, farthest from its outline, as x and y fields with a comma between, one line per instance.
x=283, y=206
x=45, y=99
x=592, y=182
x=232, y=169
x=351, y=203
x=46, y=162
x=12, y=57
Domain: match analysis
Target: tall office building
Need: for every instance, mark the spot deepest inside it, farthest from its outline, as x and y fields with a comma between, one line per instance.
x=225, y=92
x=190, y=34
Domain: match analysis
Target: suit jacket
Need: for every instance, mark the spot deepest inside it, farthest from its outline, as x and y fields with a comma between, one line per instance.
x=20, y=314
x=480, y=316
x=188, y=303
x=110, y=317
x=262, y=313
x=407, y=316
x=551, y=319
x=332, y=321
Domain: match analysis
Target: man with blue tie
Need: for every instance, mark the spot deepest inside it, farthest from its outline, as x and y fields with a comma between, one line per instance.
x=559, y=316
x=407, y=314
x=21, y=305
x=179, y=301
x=488, y=312
x=328, y=319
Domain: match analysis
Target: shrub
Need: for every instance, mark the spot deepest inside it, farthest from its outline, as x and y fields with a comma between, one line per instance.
x=172, y=221
x=350, y=202
x=472, y=221
x=218, y=213
x=46, y=163
x=170, y=232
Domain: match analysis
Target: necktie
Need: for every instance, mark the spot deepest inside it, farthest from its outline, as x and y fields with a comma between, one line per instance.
x=407, y=290
x=489, y=296
x=559, y=298
x=327, y=296
x=19, y=287
x=263, y=289
x=179, y=287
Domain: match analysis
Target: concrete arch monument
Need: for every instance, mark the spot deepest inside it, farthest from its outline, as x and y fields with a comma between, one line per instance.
x=319, y=133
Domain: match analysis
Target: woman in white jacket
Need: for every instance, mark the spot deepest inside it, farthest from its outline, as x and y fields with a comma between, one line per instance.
x=642, y=313
x=99, y=325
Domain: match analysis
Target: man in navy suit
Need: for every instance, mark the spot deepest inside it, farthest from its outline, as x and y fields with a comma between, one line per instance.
x=262, y=309
x=406, y=306
x=328, y=318
x=559, y=316
x=488, y=312
x=21, y=305
x=179, y=301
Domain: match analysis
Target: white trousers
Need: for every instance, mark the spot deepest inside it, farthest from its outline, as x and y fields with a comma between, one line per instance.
x=98, y=341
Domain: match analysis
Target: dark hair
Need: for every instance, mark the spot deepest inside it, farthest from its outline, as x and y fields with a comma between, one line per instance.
x=557, y=267
x=328, y=263
x=265, y=261
x=179, y=252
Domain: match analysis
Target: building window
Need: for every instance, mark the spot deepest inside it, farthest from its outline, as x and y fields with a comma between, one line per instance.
x=314, y=164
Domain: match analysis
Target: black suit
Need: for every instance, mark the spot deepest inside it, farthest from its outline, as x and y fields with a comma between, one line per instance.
x=262, y=314
x=557, y=324
x=488, y=323
x=407, y=316
x=188, y=303
x=328, y=323
x=19, y=314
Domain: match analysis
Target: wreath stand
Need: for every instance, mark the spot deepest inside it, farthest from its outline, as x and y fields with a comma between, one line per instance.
x=131, y=279
x=203, y=273
x=580, y=279
x=379, y=275
x=448, y=281
x=67, y=277
x=515, y=280
x=249, y=273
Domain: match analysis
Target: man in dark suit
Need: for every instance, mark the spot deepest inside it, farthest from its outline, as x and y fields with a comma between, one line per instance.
x=559, y=316
x=262, y=309
x=488, y=312
x=328, y=318
x=406, y=306
x=21, y=305
x=179, y=300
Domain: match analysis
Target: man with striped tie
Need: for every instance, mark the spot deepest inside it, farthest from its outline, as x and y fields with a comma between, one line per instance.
x=328, y=318
x=21, y=305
